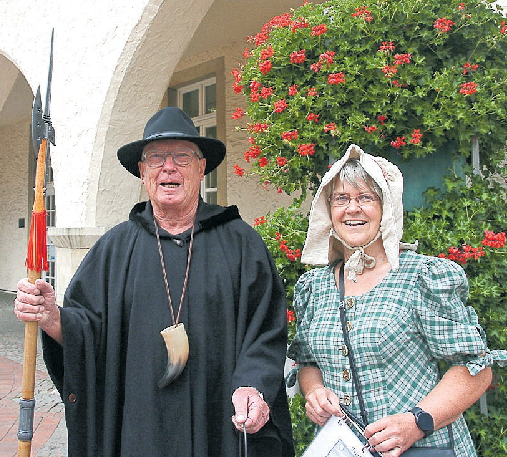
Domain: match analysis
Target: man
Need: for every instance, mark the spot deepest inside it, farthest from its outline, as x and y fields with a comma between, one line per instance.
x=194, y=269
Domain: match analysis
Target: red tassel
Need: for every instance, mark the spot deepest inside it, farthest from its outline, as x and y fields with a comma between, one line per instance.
x=37, y=256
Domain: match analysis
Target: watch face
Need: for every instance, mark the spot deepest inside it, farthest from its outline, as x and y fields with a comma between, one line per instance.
x=425, y=421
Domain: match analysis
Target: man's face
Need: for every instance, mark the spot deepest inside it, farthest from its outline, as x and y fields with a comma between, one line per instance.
x=172, y=187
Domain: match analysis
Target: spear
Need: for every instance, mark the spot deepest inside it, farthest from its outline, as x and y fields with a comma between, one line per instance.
x=36, y=260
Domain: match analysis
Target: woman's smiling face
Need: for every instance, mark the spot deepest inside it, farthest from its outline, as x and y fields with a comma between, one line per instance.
x=356, y=225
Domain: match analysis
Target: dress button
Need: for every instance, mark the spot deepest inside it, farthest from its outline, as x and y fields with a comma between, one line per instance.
x=346, y=400
x=349, y=326
x=345, y=350
x=350, y=302
x=72, y=398
x=346, y=375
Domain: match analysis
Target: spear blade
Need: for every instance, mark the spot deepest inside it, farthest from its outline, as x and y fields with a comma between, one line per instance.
x=38, y=129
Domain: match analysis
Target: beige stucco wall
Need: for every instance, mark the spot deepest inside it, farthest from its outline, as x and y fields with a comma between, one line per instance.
x=14, y=203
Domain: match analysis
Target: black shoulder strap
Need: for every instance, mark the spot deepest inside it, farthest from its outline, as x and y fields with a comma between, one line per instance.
x=353, y=369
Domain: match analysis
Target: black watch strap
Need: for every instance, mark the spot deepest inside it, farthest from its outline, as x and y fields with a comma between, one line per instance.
x=424, y=420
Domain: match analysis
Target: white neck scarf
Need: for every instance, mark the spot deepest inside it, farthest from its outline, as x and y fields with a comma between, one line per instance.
x=359, y=260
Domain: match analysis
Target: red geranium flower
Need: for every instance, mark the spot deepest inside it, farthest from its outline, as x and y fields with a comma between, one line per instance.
x=267, y=53
x=306, y=149
x=468, y=88
x=301, y=24
x=319, y=30
x=494, y=240
x=266, y=92
x=336, y=78
x=298, y=56
x=293, y=135
x=327, y=57
x=255, y=151
x=330, y=127
x=400, y=59
x=238, y=170
x=443, y=24
x=237, y=114
x=281, y=161
x=389, y=70
x=416, y=136
x=260, y=220
x=280, y=105
x=265, y=66
x=316, y=67
x=400, y=141
x=386, y=46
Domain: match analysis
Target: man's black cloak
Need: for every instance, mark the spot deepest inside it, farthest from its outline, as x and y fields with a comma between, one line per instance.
x=113, y=355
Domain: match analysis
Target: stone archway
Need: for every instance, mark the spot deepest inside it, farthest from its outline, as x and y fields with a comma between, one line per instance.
x=16, y=163
x=137, y=91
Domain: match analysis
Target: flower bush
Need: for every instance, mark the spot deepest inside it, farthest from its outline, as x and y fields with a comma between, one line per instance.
x=389, y=76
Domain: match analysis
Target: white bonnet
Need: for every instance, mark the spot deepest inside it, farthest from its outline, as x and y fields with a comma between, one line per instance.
x=320, y=247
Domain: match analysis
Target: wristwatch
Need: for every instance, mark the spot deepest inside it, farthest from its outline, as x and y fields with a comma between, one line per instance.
x=423, y=420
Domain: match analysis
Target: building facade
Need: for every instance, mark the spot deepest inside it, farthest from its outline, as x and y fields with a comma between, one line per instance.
x=114, y=65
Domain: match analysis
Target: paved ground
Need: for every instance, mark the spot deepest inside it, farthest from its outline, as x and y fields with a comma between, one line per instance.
x=50, y=433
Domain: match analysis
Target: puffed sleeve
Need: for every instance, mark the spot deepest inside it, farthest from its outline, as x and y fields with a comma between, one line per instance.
x=451, y=328
x=299, y=350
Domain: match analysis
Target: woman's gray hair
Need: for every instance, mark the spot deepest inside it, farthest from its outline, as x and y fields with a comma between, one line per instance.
x=354, y=173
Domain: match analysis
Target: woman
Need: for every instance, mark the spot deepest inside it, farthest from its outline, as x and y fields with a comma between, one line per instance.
x=404, y=312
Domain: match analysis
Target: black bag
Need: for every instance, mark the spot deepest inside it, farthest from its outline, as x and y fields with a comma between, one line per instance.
x=413, y=451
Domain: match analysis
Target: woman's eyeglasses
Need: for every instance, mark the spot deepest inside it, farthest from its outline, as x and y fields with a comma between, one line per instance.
x=341, y=200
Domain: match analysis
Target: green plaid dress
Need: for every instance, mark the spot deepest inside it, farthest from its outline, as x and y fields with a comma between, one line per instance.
x=398, y=332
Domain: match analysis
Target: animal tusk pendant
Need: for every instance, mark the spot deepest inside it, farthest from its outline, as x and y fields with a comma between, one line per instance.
x=176, y=341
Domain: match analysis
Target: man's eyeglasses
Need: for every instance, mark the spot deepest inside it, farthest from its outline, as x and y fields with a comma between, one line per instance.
x=182, y=157
x=345, y=199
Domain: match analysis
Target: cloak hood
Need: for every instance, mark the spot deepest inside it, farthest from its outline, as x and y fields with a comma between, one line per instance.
x=321, y=246
x=208, y=216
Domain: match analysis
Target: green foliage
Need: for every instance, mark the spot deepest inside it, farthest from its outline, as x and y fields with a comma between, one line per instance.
x=456, y=217
x=303, y=429
x=284, y=232
x=399, y=79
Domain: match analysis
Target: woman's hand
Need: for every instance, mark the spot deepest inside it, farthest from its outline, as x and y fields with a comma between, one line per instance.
x=321, y=404
x=456, y=391
x=37, y=302
x=392, y=435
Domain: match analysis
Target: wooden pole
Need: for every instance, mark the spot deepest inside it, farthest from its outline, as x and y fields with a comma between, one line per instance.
x=27, y=401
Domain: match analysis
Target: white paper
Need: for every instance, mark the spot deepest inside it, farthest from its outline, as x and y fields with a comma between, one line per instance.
x=336, y=439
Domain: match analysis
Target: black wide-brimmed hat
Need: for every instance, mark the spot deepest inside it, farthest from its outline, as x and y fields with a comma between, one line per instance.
x=171, y=123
